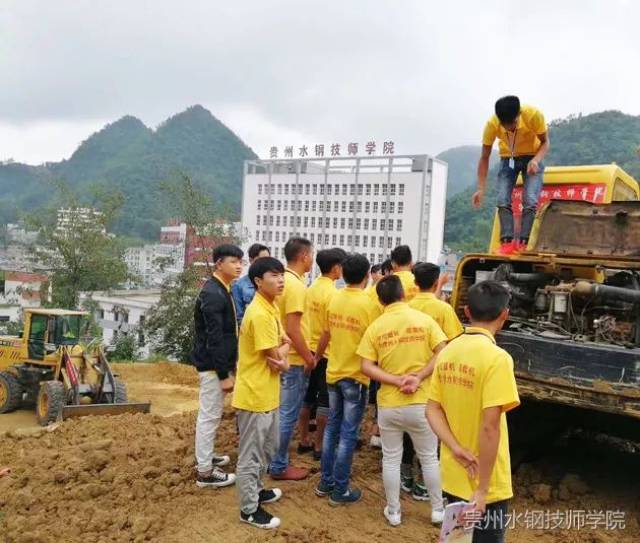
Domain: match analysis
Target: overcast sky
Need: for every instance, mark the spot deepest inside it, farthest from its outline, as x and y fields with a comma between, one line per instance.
x=424, y=74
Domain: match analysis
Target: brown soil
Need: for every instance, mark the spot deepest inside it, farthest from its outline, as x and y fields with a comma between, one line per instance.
x=130, y=479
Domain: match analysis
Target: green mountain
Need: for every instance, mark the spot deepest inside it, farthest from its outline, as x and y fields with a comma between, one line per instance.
x=600, y=138
x=135, y=159
x=463, y=163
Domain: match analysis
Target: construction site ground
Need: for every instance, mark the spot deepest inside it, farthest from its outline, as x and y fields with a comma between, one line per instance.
x=130, y=478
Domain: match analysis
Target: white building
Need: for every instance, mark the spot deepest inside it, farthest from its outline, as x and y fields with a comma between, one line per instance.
x=20, y=290
x=153, y=263
x=71, y=218
x=123, y=312
x=363, y=204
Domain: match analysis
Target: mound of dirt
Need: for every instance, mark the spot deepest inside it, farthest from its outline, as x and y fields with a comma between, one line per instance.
x=159, y=372
x=130, y=479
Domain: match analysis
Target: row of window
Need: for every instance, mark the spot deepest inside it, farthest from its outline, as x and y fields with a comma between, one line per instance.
x=328, y=222
x=340, y=240
x=344, y=206
x=314, y=188
x=373, y=257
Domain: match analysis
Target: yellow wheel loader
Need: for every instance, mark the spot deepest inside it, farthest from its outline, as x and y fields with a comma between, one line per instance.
x=48, y=366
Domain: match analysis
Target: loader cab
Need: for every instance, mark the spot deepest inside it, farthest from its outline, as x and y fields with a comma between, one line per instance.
x=47, y=330
x=597, y=184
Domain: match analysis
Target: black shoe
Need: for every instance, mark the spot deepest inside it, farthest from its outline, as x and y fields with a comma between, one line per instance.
x=269, y=495
x=303, y=449
x=217, y=478
x=260, y=519
x=317, y=455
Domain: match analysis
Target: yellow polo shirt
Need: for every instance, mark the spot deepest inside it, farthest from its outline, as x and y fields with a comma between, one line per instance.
x=349, y=314
x=439, y=311
x=257, y=386
x=409, y=286
x=293, y=300
x=531, y=124
x=401, y=341
x=318, y=296
x=472, y=373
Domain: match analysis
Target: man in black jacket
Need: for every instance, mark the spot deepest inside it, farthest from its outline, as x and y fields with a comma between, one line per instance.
x=215, y=353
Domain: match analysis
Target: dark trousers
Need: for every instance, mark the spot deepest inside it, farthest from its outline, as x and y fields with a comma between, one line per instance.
x=492, y=527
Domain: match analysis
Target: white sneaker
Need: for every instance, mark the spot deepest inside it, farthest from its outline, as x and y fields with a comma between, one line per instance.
x=375, y=442
x=437, y=517
x=220, y=460
x=395, y=519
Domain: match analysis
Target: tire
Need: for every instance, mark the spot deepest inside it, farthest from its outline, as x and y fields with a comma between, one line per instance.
x=51, y=399
x=10, y=392
x=120, y=392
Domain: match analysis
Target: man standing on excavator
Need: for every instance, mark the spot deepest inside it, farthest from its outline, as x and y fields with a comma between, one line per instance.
x=524, y=142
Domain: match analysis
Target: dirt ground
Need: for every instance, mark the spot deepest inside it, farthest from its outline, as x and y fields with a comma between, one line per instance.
x=130, y=479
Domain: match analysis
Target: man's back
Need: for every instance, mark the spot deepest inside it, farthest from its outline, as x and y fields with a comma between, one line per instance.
x=318, y=296
x=439, y=311
x=472, y=373
x=349, y=314
x=401, y=341
x=408, y=284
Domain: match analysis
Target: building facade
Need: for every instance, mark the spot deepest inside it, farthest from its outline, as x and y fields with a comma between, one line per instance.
x=20, y=290
x=123, y=313
x=365, y=204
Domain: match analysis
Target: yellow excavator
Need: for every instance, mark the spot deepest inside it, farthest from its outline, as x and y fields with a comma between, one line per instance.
x=48, y=366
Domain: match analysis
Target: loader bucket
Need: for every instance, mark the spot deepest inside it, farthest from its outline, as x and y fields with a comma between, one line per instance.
x=73, y=411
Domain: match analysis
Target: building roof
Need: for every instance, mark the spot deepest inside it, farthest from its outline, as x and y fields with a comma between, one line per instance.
x=54, y=312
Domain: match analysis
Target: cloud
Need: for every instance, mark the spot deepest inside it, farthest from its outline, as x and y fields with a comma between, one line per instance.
x=424, y=74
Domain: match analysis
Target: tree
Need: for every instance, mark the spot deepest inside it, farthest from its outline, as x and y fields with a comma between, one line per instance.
x=73, y=244
x=125, y=348
x=169, y=325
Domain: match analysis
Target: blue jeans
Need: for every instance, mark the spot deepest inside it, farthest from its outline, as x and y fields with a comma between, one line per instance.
x=293, y=387
x=347, y=400
x=532, y=187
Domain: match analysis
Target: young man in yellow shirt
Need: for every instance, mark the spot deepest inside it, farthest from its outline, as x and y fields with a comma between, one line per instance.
x=378, y=271
x=472, y=388
x=398, y=350
x=262, y=359
x=319, y=295
x=349, y=314
x=215, y=353
x=524, y=142
x=426, y=276
x=402, y=262
x=293, y=383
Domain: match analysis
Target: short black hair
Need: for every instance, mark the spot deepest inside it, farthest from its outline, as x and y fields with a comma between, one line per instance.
x=262, y=266
x=507, y=109
x=376, y=268
x=389, y=290
x=486, y=300
x=295, y=247
x=401, y=255
x=426, y=275
x=328, y=258
x=256, y=249
x=227, y=249
x=355, y=268
x=386, y=267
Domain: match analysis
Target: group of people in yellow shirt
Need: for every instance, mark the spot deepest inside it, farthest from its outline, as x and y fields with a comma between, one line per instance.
x=300, y=349
x=438, y=382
